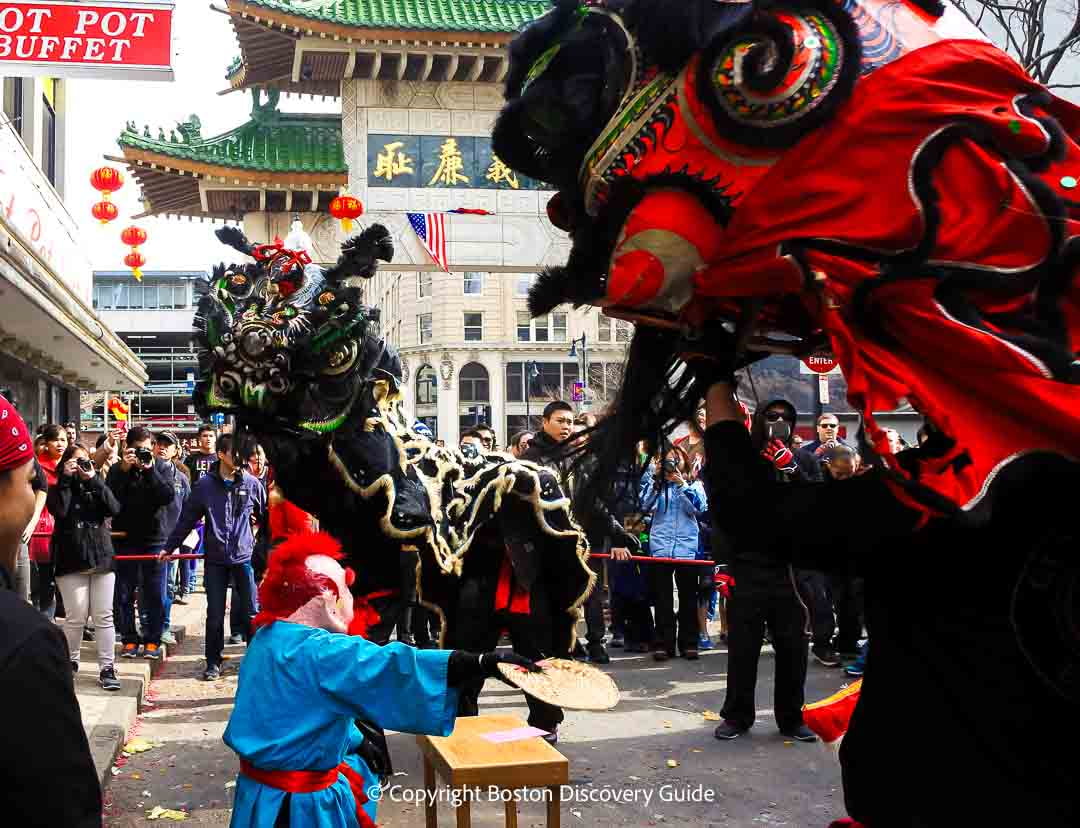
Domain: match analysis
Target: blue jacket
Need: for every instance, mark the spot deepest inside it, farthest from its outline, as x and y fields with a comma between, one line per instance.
x=228, y=537
x=675, y=510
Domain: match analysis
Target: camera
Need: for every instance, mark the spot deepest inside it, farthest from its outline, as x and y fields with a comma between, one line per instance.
x=144, y=455
x=84, y=463
x=779, y=430
x=670, y=466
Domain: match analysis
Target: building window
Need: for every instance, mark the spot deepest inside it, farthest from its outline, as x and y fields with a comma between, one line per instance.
x=517, y=422
x=551, y=380
x=547, y=328
x=524, y=327
x=427, y=386
x=474, y=391
x=474, y=327
x=523, y=283
x=541, y=331
x=433, y=424
x=13, y=105
x=424, y=324
x=48, y=141
x=604, y=326
x=474, y=284
x=423, y=285
x=473, y=385
x=147, y=296
x=558, y=327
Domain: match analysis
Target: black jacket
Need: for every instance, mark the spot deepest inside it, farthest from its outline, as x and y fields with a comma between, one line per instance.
x=81, y=509
x=47, y=776
x=595, y=518
x=145, y=496
x=954, y=704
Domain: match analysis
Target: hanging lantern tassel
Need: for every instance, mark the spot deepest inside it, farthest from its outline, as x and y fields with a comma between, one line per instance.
x=106, y=180
x=135, y=260
x=346, y=208
x=104, y=211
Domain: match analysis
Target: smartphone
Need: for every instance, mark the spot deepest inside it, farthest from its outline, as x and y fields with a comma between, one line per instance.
x=779, y=430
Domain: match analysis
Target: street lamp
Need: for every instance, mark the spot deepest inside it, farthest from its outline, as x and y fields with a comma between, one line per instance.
x=531, y=372
x=584, y=361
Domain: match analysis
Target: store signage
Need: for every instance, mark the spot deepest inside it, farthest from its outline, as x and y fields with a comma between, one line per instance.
x=445, y=161
x=120, y=40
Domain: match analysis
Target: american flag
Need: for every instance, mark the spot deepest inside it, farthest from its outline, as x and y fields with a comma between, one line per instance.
x=431, y=229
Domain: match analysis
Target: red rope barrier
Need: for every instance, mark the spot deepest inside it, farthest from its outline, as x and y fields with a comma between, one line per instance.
x=645, y=559
x=182, y=557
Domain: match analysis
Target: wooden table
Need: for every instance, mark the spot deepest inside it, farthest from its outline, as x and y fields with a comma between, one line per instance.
x=466, y=760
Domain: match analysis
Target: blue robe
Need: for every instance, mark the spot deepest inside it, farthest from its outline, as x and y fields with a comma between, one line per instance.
x=300, y=689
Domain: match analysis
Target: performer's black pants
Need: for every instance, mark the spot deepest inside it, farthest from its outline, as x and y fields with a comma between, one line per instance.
x=814, y=589
x=594, y=606
x=847, y=595
x=476, y=628
x=760, y=597
x=686, y=581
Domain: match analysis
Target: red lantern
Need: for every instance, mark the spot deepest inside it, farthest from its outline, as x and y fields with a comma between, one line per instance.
x=135, y=260
x=133, y=236
x=346, y=208
x=106, y=180
x=104, y=211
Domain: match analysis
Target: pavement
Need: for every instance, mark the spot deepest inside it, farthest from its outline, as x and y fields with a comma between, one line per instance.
x=651, y=761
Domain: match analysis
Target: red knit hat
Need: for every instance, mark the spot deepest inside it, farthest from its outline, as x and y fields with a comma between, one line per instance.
x=16, y=447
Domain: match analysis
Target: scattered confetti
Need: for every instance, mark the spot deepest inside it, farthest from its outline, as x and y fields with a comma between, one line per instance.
x=136, y=776
x=671, y=763
x=146, y=794
x=115, y=771
x=788, y=743
x=577, y=814
x=667, y=724
x=695, y=750
x=165, y=813
x=232, y=784
x=137, y=746
x=710, y=716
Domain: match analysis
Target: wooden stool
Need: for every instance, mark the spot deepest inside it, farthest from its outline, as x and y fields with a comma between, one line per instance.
x=465, y=760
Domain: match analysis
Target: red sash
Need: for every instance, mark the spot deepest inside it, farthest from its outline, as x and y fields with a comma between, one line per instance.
x=509, y=595
x=298, y=781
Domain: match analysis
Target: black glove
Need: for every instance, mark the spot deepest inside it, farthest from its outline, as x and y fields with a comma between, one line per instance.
x=465, y=666
x=710, y=353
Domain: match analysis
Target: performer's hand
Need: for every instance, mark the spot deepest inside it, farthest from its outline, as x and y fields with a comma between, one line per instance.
x=490, y=662
x=465, y=666
x=780, y=456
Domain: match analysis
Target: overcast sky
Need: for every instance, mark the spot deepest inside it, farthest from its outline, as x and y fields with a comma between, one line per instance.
x=203, y=46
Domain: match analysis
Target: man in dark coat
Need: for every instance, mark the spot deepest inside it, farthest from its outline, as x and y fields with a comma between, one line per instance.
x=972, y=669
x=47, y=775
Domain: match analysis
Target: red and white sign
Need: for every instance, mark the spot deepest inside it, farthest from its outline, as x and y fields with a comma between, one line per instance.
x=820, y=364
x=122, y=39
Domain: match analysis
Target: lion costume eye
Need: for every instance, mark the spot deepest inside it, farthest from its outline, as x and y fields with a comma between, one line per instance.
x=341, y=359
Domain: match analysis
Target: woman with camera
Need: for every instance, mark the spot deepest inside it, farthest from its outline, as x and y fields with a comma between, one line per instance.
x=675, y=502
x=82, y=553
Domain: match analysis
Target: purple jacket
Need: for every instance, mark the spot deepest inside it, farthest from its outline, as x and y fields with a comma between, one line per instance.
x=228, y=510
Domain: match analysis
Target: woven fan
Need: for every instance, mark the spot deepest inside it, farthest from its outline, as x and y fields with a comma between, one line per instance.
x=564, y=683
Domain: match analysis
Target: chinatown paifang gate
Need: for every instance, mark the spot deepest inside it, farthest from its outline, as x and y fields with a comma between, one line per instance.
x=420, y=85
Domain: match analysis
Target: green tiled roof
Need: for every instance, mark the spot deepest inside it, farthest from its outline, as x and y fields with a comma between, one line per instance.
x=428, y=15
x=276, y=142
x=234, y=66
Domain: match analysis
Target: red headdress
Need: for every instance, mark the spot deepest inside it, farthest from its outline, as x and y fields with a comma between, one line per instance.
x=16, y=447
x=288, y=583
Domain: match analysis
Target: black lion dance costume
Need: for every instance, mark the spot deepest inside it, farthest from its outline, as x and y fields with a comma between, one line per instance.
x=873, y=177
x=290, y=349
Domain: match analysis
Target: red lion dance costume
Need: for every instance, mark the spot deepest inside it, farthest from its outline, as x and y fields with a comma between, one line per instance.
x=872, y=177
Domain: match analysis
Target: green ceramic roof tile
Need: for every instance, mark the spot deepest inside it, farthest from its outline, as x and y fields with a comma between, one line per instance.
x=234, y=66
x=429, y=15
x=276, y=142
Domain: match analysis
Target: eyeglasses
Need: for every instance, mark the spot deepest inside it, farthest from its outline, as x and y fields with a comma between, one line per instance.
x=487, y=442
x=828, y=425
x=773, y=416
